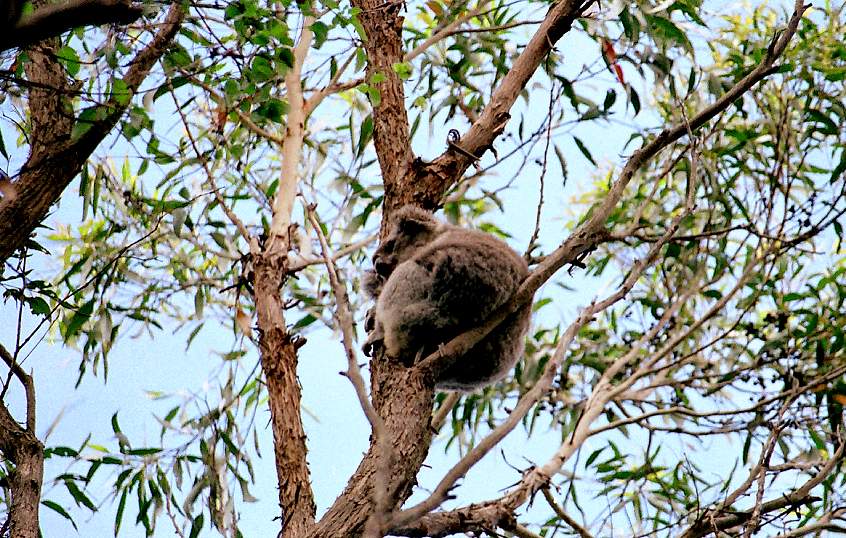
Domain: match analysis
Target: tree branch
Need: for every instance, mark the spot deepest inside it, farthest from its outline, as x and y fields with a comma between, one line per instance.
x=26, y=381
x=583, y=239
x=22, y=447
x=383, y=25
x=55, y=19
x=55, y=159
x=436, y=177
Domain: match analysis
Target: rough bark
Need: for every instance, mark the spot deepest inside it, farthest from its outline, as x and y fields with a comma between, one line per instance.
x=23, y=449
x=403, y=398
x=279, y=363
x=383, y=26
x=478, y=518
x=499, y=512
x=54, y=158
x=19, y=445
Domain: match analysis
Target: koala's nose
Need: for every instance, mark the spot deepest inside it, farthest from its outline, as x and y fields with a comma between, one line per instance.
x=382, y=266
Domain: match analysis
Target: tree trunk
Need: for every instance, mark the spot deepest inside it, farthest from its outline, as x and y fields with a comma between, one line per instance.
x=403, y=398
x=279, y=363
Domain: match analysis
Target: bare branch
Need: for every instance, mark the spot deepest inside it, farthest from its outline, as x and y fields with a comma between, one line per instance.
x=446, y=31
x=346, y=251
x=459, y=345
x=292, y=144
x=564, y=516
x=243, y=116
x=821, y=524
x=712, y=520
x=333, y=87
x=343, y=314
x=233, y=218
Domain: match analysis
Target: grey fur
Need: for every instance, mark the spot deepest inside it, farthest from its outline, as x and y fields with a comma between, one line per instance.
x=433, y=281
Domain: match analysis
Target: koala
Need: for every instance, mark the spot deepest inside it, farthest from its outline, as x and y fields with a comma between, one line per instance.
x=433, y=281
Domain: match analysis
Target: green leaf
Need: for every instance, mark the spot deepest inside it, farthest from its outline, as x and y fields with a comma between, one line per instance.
x=305, y=321
x=321, y=32
x=664, y=30
x=403, y=70
x=87, y=118
x=80, y=498
x=120, y=508
x=196, y=526
x=143, y=451
x=713, y=294
x=610, y=98
x=38, y=306
x=178, y=56
x=68, y=57
x=365, y=134
x=584, y=150
x=593, y=456
x=262, y=69
x=286, y=55
x=56, y=507
x=835, y=174
x=120, y=92
x=273, y=109
x=78, y=319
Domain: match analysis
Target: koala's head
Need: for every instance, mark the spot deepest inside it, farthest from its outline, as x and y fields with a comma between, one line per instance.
x=410, y=229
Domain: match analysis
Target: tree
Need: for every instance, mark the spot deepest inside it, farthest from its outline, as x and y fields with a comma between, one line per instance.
x=721, y=320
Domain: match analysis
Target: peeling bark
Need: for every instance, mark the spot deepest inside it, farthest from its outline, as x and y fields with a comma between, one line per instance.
x=279, y=363
x=19, y=445
x=27, y=453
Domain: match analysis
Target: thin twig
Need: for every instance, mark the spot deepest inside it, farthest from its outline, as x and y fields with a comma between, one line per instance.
x=528, y=400
x=26, y=381
x=440, y=416
x=233, y=218
x=343, y=315
x=564, y=516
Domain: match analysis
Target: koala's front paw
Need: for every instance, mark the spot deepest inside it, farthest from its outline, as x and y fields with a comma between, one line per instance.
x=375, y=339
x=370, y=320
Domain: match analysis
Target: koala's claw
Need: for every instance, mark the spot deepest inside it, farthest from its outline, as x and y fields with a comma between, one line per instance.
x=374, y=340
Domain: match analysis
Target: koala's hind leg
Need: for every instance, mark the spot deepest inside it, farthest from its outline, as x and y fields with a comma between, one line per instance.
x=412, y=328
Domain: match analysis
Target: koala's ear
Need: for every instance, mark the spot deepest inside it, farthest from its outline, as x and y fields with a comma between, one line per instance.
x=413, y=220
